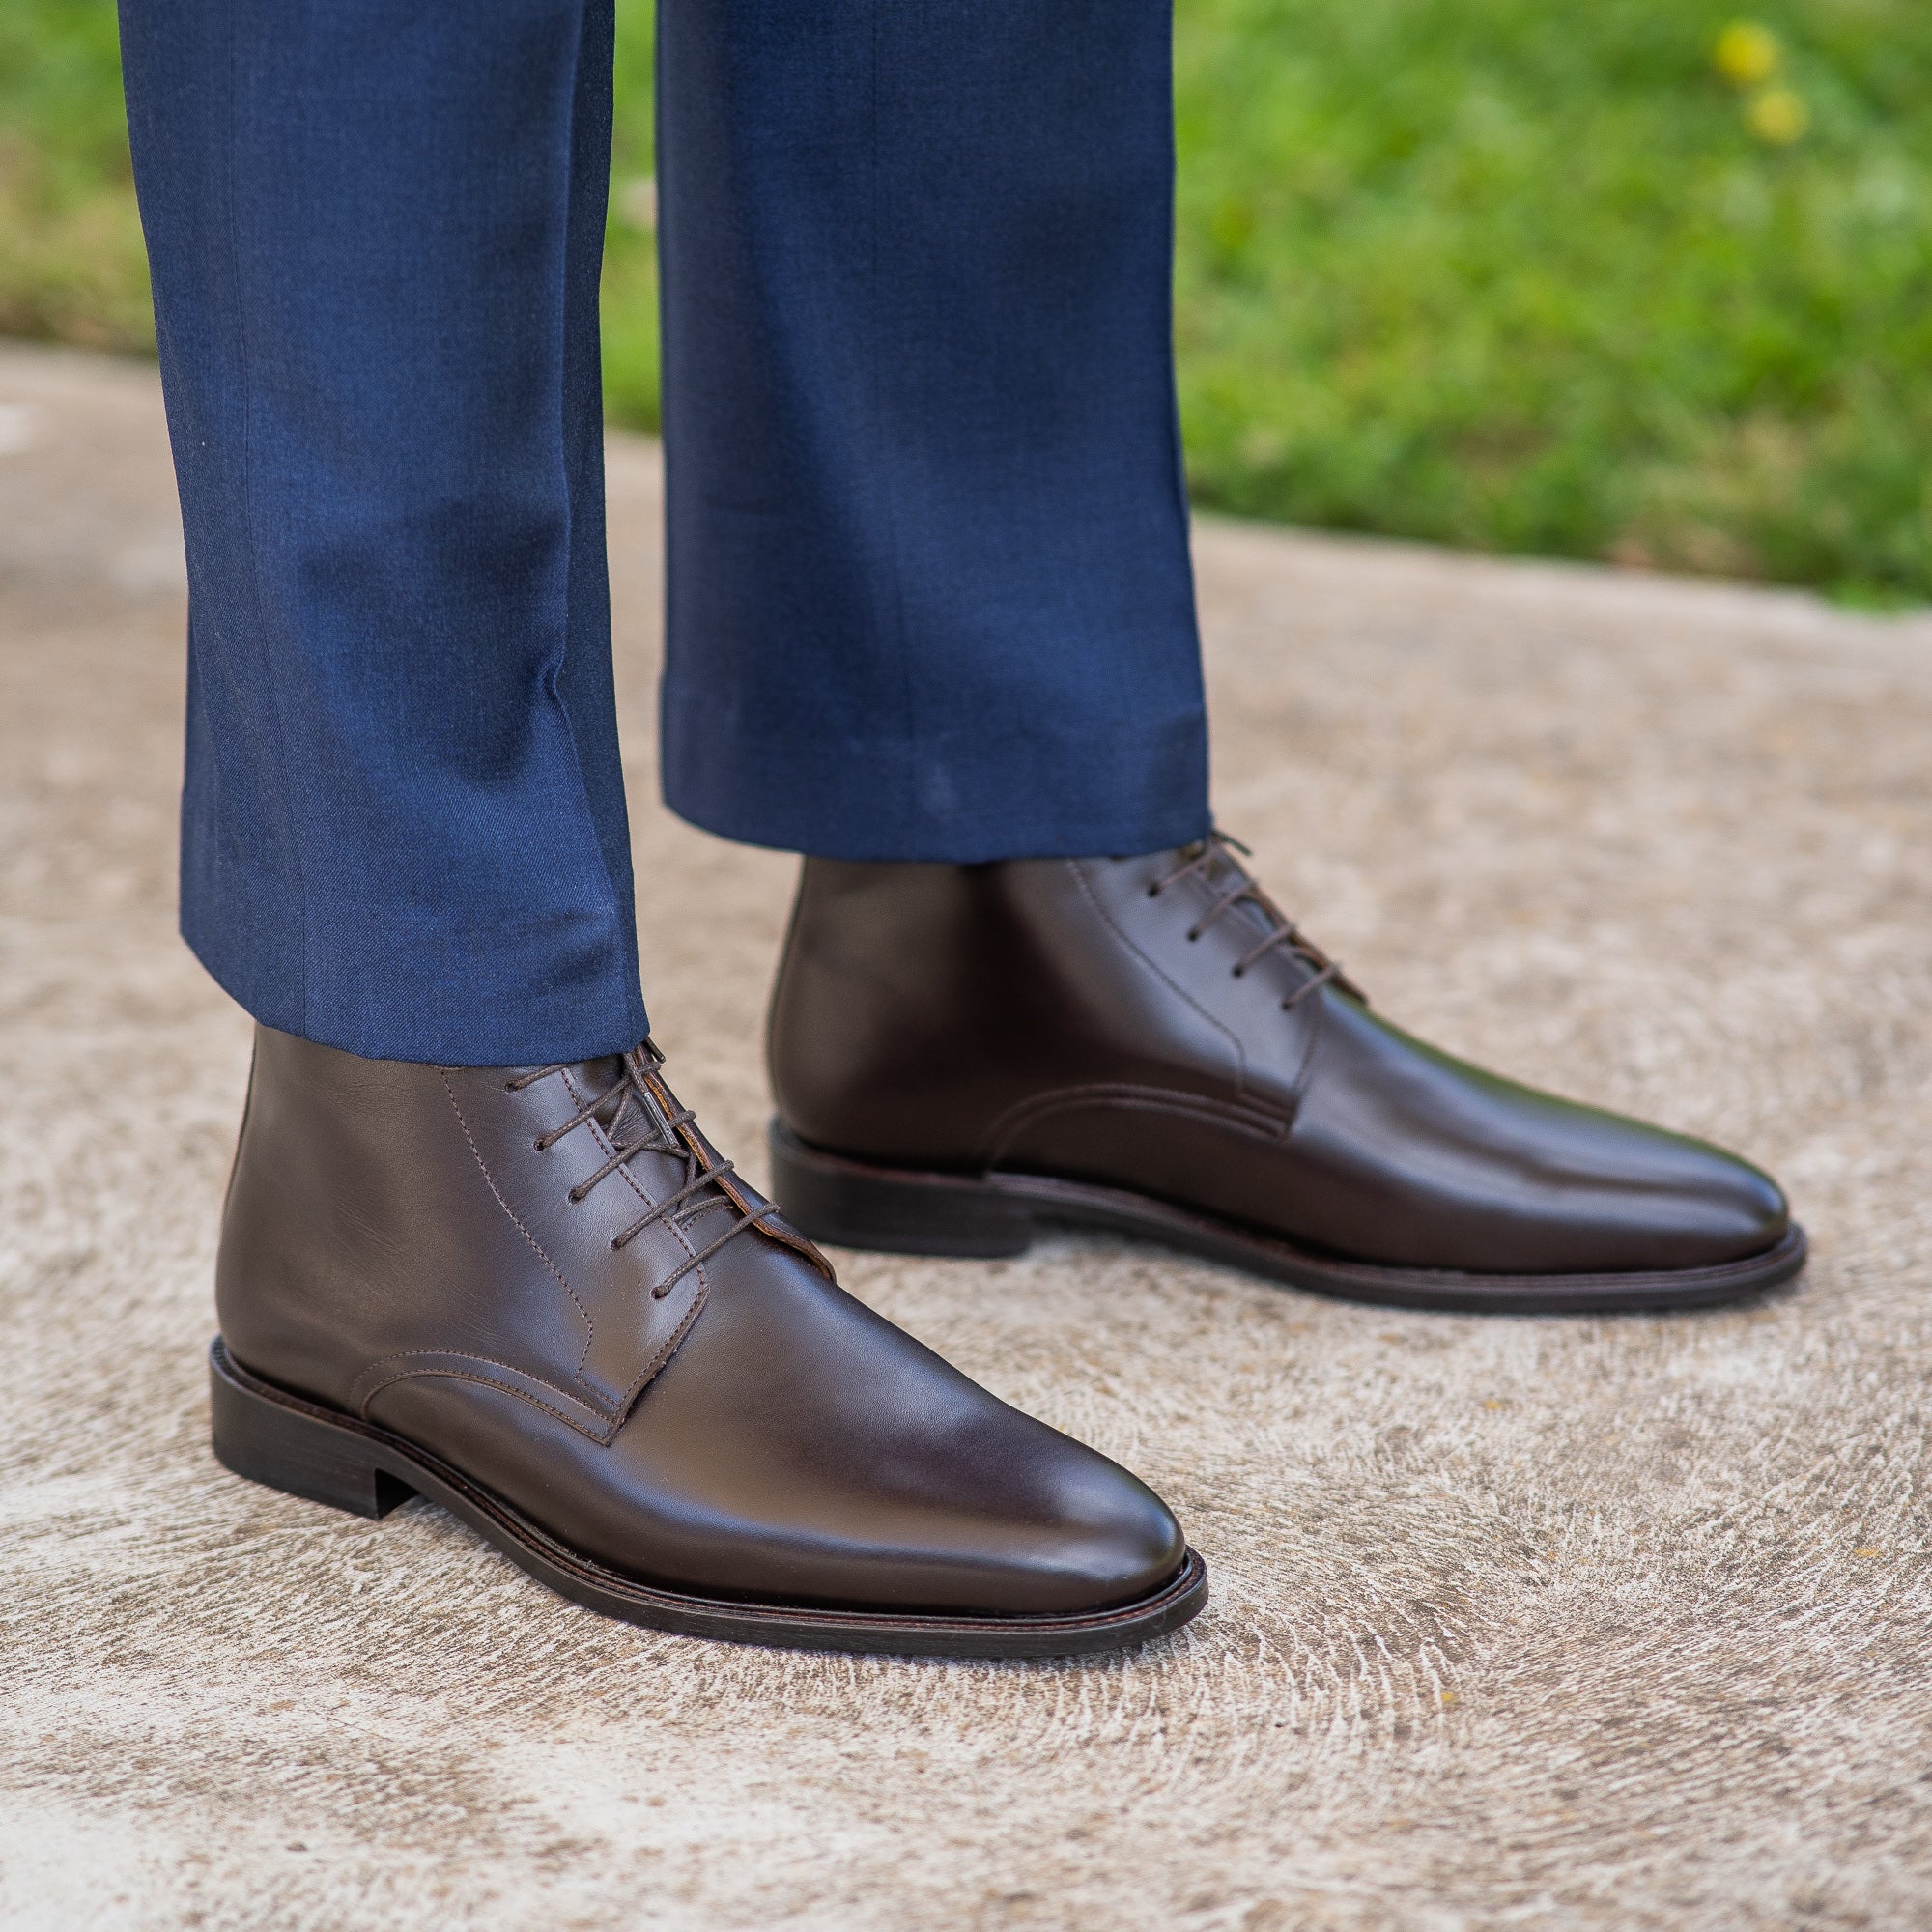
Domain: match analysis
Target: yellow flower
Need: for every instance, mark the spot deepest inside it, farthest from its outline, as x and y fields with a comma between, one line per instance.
x=1746, y=53
x=1778, y=116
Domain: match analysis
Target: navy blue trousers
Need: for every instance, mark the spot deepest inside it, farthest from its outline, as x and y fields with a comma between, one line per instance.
x=929, y=588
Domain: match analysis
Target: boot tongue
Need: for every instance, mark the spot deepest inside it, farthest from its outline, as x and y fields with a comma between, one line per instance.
x=633, y=1113
x=625, y=1116
x=1220, y=873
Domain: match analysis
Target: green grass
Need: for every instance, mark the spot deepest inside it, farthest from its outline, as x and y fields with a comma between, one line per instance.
x=71, y=264
x=1521, y=276
x=629, y=250
x=1493, y=272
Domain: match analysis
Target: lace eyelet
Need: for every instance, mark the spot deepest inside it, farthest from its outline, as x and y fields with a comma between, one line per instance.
x=1236, y=971
x=540, y=1144
x=574, y=1196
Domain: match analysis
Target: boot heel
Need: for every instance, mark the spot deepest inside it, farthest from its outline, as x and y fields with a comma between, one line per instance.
x=294, y=1449
x=854, y=1205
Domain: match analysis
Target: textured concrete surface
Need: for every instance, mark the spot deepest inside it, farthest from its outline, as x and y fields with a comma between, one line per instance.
x=1592, y=1623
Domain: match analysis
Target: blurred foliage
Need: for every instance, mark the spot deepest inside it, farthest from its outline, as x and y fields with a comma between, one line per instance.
x=71, y=264
x=1643, y=281
x=1551, y=279
x=630, y=246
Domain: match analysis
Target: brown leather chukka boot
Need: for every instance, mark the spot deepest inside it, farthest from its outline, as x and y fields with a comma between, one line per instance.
x=1149, y=1045
x=536, y=1296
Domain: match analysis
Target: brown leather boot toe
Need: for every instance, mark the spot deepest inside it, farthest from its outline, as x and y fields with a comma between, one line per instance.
x=538, y=1297
x=961, y=1052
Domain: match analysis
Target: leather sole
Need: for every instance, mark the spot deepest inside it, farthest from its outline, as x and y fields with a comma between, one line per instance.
x=855, y=1205
x=289, y=1443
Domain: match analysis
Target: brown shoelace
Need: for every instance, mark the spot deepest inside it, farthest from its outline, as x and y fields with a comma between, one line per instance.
x=700, y=1171
x=1219, y=850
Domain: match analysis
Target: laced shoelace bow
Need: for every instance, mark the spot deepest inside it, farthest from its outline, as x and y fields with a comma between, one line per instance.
x=1218, y=849
x=700, y=1170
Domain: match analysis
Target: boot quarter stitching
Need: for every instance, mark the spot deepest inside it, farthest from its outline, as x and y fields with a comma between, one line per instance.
x=1107, y=919
x=601, y=1438
x=536, y=1246
x=1201, y=1110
